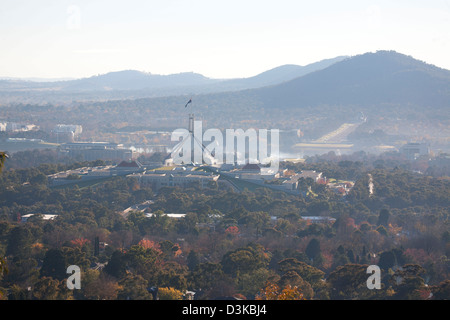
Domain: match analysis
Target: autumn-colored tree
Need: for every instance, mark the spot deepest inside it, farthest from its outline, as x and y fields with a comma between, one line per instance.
x=298, y=273
x=170, y=294
x=233, y=231
x=99, y=286
x=79, y=242
x=170, y=249
x=419, y=256
x=149, y=244
x=3, y=267
x=292, y=279
x=3, y=271
x=273, y=292
x=270, y=292
x=3, y=157
x=291, y=293
x=37, y=250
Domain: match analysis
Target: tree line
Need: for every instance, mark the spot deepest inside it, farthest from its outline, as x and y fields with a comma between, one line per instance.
x=252, y=245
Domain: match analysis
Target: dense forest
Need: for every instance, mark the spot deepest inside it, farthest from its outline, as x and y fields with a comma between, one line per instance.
x=249, y=245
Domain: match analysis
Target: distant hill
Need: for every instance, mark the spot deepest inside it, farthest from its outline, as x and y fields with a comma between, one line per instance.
x=275, y=76
x=370, y=81
x=137, y=84
x=384, y=77
x=134, y=80
x=395, y=92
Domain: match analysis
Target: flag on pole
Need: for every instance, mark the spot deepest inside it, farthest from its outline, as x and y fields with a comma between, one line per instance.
x=190, y=101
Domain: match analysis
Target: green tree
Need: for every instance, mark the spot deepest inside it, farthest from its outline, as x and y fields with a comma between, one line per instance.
x=256, y=220
x=408, y=283
x=144, y=261
x=245, y=260
x=250, y=283
x=18, y=293
x=391, y=258
x=206, y=276
x=293, y=279
x=348, y=282
x=116, y=266
x=173, y=275
x=54, y=265
x=193, y=260
x=313, y=250
x=310, y=279
x=383, y=218
x=48, y=288
x=22, y=271
x=442, y=291
x=76, y=256
x=19, y=241
x=133, y=287
x=307, y=272
x=317, y=207
x=39, y=179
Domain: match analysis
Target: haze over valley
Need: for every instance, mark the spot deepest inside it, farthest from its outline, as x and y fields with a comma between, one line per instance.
x=384, y=99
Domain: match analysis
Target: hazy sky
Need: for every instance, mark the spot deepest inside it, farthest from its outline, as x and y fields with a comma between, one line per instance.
x=219, y=39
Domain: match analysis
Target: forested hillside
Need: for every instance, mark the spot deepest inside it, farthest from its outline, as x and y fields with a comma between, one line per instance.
x=251, y=245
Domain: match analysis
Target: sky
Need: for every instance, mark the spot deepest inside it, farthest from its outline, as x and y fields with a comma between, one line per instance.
x=219, y=39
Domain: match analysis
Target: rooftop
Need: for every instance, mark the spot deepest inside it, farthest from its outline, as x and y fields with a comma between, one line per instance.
x=126, y=164
x=251, y=166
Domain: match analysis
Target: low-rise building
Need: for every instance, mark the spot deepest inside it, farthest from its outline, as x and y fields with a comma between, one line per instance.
x=90, y=151
x=64, y=128
x=17, y=127
x=62, y=133
x=319, y=219
x=309, y=174
x=413, y=150
x=25, y=217
x=127, y=167
x=176, y=177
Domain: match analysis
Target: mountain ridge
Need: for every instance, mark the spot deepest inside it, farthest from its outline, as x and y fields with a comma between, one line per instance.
x=134, y=80
x=373, y=78
x=380, y=77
